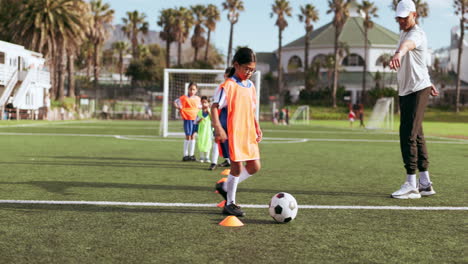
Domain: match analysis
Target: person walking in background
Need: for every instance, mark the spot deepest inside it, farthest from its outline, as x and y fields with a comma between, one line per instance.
x=205, y=130
x=361, y=116
x=188, y=105
x=237, y=124
x=351, y=117
x=415, y=87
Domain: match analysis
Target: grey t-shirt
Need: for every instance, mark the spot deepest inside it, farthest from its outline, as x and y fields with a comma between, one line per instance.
x=413, y=74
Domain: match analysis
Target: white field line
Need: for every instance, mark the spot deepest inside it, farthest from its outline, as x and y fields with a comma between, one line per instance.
x=47, y=124
x=267, y=139
x=330, y=207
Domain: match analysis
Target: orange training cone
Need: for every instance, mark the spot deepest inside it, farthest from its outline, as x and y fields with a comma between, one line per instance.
x=226, y=172
x=231, y=221
x=221, y=204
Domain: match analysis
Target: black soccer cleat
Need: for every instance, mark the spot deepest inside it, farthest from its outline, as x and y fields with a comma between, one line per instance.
x=192, y=158
x=212, y=166
x=186, y=158
x=225, y=164
x=233, y=209
x=221, y=191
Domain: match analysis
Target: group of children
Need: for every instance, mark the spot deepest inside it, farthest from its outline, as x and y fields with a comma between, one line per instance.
x=229, y=124
x=195, y=112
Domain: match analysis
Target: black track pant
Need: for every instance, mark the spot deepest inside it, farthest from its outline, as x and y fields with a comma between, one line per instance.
x=412, y=142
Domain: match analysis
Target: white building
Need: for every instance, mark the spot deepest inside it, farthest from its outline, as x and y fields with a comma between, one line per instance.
x=321, y=43
x=24, y=82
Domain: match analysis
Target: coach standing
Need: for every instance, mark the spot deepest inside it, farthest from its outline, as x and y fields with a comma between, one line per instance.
x=415, y=86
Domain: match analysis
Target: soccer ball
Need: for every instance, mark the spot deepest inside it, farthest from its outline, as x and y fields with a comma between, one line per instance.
x=283, y=207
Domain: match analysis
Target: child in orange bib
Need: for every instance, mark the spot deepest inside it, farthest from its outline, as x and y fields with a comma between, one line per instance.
x=188, y=106
x=236, y=123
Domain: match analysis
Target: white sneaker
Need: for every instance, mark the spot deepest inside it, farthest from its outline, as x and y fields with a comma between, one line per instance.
x=407, y=191
x=202, y=160
x=426, y=190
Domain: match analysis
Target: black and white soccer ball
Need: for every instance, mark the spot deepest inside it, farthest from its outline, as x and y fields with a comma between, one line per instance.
x=283, y=207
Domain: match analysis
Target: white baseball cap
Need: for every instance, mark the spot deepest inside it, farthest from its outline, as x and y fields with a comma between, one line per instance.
x=404, y=8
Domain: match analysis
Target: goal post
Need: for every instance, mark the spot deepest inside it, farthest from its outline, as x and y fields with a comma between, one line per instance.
x=382, y=116
x=176, y=82
x=301, y=116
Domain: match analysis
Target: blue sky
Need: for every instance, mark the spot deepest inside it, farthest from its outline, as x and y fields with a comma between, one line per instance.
x=256, y=28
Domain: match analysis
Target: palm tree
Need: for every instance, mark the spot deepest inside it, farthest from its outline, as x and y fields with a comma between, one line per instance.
x=340, y=10
x=233, y=7
x=101, y=20
x=281, y=9
x=211, y=15
x=370, y=11
x=167, y=22
x=48, y=27
x=134, y=24
x=121, y=48
x=461, y=10
x=183, y=24
x=422, y=8
x=308, y=15
x=198, y=40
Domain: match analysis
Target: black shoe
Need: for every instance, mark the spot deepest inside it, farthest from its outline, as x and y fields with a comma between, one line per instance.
x=212, y=166
x=233, y=209
x=192, y=158
x=225, y=164
x=221, y=191
x=186, y=158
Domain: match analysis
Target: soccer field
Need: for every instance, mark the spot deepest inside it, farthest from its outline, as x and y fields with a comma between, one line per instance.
x=163, y=210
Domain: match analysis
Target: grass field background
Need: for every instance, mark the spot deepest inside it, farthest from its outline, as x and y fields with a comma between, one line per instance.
x=324, y=163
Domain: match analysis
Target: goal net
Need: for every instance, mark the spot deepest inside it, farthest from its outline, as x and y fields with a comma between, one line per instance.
x=176, y=82
x=382, y=116
x=301, y=115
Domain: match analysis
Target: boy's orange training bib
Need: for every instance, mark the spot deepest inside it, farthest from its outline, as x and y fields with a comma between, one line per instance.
x=242, y=135
x=189, y=108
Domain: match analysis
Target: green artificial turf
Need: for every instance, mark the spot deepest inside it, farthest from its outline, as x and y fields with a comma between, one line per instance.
x=125, y=161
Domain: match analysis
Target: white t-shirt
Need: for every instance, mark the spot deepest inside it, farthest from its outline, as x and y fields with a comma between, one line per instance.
x=413, y=74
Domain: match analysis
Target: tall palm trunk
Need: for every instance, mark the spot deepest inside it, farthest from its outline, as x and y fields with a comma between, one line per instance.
x=280, y=66
x=135, y=45
x=364, y=70
x=306, y=62
x=460, y=51
x=96, y=62
x=96, y=68
x=52, y=65
x=71, y=74
x=179, y=53
x=195, y=55
x=228, y=59
x=207, y=45
x=168, y=51
x=62, y=68
x=335, y=70
x=89, y=63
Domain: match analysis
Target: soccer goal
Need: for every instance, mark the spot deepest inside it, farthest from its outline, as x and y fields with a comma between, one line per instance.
x=176, y=82
x=382, y=116
x=301, y=116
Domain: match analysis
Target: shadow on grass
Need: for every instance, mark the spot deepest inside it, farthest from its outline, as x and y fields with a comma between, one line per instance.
x=32, y=208
x=61, y=187
x=151, y=164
